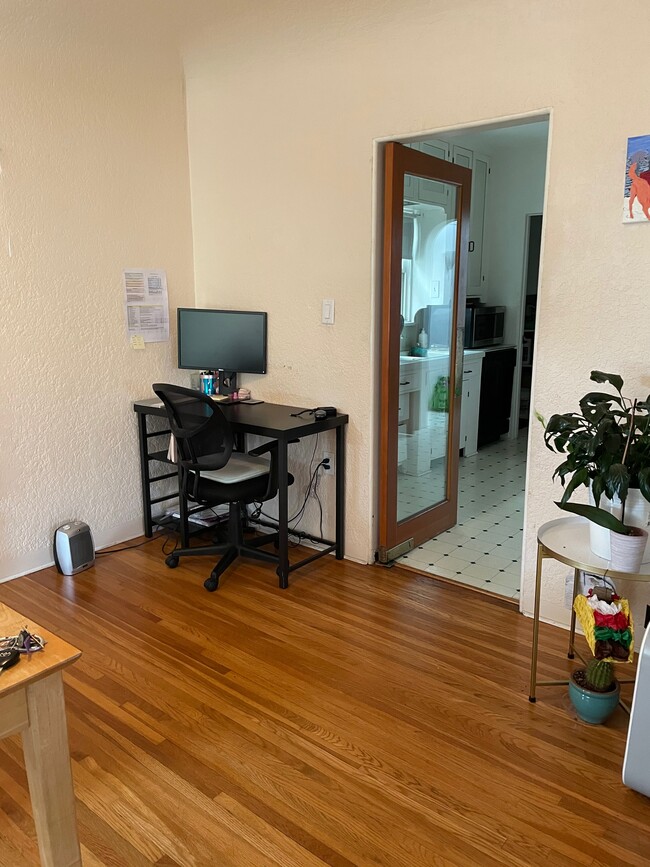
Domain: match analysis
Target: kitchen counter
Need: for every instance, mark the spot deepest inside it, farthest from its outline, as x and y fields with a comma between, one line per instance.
x=406, y=358
x=423, y=433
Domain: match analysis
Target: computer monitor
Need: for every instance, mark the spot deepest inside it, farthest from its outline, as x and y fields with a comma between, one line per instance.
x=233, y=341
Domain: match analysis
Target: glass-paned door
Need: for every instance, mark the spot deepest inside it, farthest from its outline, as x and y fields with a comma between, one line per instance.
x=425, y=254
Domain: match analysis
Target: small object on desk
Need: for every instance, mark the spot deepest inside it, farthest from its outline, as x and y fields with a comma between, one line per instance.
x=251, y=402
x=320, y=414
x=209, y=382
x=419, y=352
x=243, y=394
x=24, y=642
x=9, y=656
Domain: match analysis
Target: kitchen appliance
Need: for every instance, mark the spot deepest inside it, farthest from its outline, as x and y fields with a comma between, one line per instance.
x=497, y=374
x=484, y=326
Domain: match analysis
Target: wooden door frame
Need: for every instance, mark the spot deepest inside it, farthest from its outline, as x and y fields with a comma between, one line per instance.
x=396, y=157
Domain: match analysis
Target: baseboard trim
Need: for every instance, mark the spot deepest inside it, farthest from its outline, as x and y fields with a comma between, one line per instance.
x=41, y=558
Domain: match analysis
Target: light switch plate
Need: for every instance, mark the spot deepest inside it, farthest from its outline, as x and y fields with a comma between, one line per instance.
x=327, y=316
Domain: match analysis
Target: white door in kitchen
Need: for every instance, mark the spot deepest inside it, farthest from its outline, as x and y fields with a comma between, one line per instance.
x=426, y=232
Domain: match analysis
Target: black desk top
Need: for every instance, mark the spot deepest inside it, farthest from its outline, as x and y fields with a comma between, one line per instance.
x=264, y=419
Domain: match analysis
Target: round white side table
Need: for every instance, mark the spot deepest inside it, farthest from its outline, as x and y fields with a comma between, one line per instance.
x=567, y=541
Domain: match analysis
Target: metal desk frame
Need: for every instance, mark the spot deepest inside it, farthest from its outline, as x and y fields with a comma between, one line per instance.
x=267, y=420
x=595, y=566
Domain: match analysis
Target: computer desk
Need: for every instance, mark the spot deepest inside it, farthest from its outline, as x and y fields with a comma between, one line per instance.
x=262, y=419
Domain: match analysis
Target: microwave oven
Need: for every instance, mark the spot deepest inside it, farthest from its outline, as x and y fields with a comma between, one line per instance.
x=484, y=326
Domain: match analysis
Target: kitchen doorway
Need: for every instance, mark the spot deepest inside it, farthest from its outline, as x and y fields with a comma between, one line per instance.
x=483, y=549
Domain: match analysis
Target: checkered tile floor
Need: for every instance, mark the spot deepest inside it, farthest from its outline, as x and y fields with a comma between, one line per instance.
x=484, y=548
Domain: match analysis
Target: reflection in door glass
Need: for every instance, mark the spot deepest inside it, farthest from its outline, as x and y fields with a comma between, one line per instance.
x=429, y=239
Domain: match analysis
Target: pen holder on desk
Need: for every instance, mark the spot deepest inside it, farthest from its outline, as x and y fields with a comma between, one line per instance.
x=209, y=382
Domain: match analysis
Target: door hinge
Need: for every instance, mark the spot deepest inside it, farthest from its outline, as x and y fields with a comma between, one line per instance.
x=385, y=555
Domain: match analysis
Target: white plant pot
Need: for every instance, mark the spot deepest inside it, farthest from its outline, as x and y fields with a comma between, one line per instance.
x=637, y=514
x=599, y=536
x=627, y=551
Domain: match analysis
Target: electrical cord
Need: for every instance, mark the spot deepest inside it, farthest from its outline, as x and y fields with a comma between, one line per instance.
x=129, y=547
x=312, y=490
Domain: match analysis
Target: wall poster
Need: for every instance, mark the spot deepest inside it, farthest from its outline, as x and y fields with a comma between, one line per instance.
x=636, y=192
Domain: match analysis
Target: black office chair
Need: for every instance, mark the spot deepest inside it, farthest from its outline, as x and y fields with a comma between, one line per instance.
x=211, y=474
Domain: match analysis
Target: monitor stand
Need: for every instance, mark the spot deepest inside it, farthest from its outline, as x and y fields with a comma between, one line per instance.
x=227, y=381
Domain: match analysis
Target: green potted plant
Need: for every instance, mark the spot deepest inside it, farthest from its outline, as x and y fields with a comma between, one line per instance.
x=594, y=691
x=606, y=447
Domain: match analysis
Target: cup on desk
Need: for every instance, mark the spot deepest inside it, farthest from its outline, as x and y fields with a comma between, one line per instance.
x=208, y=382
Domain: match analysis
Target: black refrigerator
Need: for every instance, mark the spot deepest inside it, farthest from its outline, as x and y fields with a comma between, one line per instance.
x=497, y=376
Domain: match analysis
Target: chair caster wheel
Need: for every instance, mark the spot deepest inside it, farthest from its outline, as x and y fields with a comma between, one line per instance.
x=212, y=583
x=172, y=561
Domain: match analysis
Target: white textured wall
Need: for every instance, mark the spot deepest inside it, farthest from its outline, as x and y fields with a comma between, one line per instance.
x=285, y=100
x=94, y=179
x=516, y=190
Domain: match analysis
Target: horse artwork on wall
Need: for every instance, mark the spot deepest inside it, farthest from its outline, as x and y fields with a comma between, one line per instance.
x=636, y=193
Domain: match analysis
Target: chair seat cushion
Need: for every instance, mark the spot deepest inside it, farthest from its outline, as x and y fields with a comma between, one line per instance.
x=239, y=468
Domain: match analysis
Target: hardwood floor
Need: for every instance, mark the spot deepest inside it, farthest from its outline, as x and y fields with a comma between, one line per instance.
x=362, y=717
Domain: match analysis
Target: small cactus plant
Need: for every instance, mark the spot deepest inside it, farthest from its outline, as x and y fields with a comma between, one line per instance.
x=599, y=675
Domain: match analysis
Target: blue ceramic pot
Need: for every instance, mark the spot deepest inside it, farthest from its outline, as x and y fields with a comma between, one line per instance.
x=593, y=707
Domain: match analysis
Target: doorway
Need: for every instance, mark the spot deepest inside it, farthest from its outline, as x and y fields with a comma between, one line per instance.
x=483, y=548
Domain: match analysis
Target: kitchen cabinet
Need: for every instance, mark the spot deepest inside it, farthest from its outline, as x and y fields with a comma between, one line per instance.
x=480, y=166
x=422, y=189
x=435, y=193
x=422, y=432
x=476, y=260
x=469, y=413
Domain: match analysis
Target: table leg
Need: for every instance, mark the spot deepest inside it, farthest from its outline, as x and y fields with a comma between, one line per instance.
x=47, y=760
x=572, y=630
x=340, y=492
x=183, y=521
x=144, y=475
x=283, y=513
x=533, y=662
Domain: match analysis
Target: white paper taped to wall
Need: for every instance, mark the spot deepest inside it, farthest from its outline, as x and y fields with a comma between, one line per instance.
x=146, y=305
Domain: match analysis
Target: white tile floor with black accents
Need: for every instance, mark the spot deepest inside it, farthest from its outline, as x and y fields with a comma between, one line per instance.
x=484, y=548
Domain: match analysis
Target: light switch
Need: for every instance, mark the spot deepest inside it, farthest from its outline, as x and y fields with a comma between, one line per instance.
x=327, y=317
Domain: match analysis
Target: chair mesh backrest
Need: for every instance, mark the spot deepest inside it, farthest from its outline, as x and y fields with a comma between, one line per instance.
x=203, y=434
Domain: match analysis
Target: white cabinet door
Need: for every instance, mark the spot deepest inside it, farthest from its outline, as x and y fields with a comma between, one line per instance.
x=470, y=407
x=411, y=188
x=476, y=265
x=433, y=192
x=462, y=157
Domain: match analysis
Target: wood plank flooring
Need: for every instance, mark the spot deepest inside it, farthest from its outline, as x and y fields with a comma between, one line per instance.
x=363, y=717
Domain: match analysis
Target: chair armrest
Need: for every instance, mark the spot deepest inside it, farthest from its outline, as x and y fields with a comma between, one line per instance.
x=202, y=465
x=263, y=449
